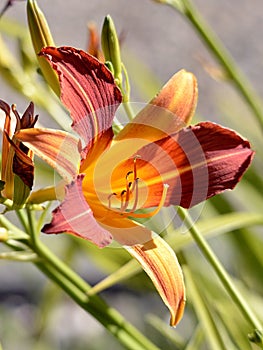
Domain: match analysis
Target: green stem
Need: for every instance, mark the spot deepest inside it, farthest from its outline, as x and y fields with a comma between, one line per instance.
x=128, y=110
x=222, y=55
x=77, y=289
x=23, y=219
x=212, y=333
x=16, y=232
x=220, y=271
x=32, y=226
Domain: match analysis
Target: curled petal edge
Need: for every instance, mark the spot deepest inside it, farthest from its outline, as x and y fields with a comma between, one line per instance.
x=160, y=263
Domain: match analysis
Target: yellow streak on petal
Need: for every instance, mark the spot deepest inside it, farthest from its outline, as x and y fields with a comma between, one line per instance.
x=176, y=172
x=160, y=263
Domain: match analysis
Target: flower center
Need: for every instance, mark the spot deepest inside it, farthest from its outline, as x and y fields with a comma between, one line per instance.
x=129, y=197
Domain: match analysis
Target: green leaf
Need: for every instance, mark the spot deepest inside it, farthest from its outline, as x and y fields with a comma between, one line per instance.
x=204, y=315
x=166, y=331
x=196, y=340
x=214, y=227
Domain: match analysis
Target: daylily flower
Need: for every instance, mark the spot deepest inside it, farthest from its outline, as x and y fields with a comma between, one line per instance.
x=17, y=160
x=153, y=162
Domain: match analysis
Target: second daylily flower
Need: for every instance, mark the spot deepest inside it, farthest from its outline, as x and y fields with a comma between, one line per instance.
x=17, y=171
x=154, y=161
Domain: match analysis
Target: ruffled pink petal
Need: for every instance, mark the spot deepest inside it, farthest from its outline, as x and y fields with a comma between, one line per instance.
x=87, y=90
x=74, y=216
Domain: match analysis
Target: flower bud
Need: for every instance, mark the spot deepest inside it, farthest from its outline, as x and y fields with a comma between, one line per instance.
x=21, y=192
x=41, y=37
x=111, y=48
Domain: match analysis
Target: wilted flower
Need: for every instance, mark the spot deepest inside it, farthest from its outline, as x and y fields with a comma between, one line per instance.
x=17, y=160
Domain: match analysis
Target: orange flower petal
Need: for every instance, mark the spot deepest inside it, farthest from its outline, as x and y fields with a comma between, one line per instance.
x=58, y=148
x=160, y=263
x=125, y=231
x=157, y=259
x=93, y=153
x=168, y=112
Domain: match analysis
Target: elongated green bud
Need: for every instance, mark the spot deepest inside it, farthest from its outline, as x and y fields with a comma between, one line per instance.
x=111, y=48
x=41, y=37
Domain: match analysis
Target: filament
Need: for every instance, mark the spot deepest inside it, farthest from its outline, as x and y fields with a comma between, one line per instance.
x=156, y=210
x=132, y=188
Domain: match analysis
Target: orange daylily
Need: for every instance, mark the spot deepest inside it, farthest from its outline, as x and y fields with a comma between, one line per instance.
x=154, y=161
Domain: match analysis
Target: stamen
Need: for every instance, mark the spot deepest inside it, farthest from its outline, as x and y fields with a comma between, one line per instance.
x=135, y=186
x=109, y=199
x=134, y=166
x=125, y=195
x=156, y=210
x=123, y=202
x=124, y=205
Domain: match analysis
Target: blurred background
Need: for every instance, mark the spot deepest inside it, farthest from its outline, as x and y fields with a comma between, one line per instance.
x=156, y=42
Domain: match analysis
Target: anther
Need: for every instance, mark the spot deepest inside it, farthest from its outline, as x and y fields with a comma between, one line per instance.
x=125, y=195
x=128, y=174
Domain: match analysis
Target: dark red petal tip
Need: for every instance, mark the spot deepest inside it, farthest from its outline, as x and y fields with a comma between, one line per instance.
x=88, y=90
